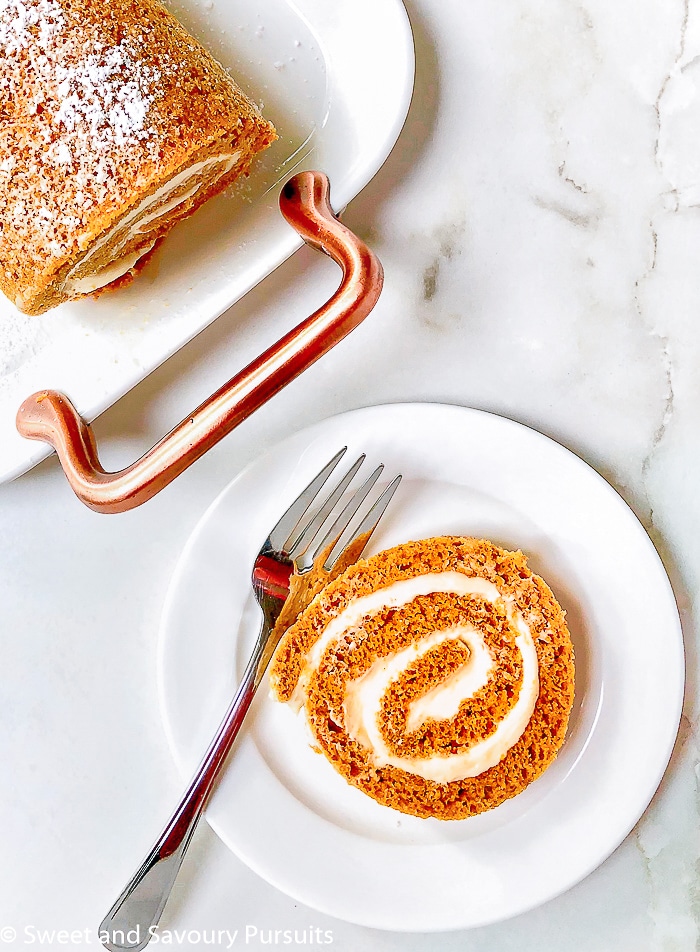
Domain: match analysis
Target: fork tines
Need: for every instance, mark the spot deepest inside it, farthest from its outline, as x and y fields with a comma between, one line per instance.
x=303, y=541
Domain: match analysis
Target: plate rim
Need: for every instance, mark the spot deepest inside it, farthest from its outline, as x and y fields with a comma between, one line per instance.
x=305, y=437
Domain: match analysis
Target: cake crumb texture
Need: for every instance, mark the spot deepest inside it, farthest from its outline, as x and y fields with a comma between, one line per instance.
x=103, y=103
x=523, y=609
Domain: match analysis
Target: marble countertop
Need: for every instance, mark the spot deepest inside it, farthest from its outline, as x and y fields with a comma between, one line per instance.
x=539, y=226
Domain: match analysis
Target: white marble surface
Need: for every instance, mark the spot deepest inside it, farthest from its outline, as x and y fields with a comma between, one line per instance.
x=538, y=223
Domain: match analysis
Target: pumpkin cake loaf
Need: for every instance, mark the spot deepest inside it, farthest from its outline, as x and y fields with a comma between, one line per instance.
x=116, y=124
x=437, y=676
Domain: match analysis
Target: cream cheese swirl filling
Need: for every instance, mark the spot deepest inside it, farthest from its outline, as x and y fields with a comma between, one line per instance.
x=363, y=697
x=137, y=221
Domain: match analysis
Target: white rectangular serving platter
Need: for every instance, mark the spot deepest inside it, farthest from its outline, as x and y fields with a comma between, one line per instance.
x=335, y=77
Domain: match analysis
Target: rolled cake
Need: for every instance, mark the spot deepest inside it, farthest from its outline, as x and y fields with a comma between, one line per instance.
x=115, y=124
x=437, y=676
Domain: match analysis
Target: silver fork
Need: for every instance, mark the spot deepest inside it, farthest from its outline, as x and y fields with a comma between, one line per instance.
x=294, y=563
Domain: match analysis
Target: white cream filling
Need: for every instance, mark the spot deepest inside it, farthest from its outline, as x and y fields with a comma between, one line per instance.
x=395, y=595
x=364, y=695
x=442, y=702
x=137, y=222
x=98, y=279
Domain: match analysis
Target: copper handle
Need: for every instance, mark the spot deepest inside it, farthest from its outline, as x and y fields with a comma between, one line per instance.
x=50, y=416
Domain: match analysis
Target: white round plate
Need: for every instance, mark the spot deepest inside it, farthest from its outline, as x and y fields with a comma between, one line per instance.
x=282, y=808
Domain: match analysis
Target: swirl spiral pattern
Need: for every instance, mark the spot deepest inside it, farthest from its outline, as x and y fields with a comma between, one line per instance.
x=437, y=676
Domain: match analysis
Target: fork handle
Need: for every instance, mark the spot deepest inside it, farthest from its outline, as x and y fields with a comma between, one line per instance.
x=131, y=921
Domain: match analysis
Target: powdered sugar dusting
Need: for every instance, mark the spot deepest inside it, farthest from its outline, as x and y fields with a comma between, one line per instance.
x=17, y=17
x=96, y=95
x=75, y=106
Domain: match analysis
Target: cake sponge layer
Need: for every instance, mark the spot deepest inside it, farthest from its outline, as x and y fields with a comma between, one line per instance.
x=118, y=123
x=437, y=676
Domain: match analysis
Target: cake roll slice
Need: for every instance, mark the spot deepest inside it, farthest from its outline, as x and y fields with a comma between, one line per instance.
x=437, y=676
x=116, y=123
